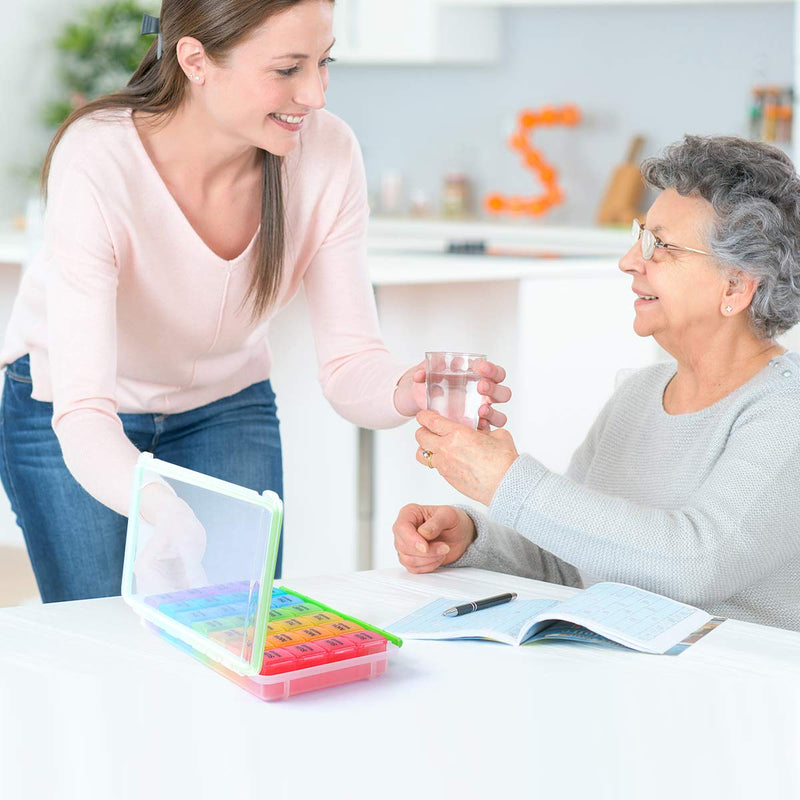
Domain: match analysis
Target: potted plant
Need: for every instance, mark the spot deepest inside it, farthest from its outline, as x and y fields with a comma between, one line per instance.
x=97, y=55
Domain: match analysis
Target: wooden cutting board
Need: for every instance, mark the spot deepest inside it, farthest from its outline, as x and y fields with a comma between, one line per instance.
x=623, y=194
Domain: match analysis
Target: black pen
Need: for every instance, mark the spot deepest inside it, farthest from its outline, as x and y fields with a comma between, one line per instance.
x=478, y=605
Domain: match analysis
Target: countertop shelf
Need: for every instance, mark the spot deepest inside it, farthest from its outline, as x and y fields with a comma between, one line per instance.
x=522, y=3
x=409, y=233
x=411, y=268
x=406, y=251
x=409, y=251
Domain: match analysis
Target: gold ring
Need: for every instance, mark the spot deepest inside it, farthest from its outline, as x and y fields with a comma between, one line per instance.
x=426, y=454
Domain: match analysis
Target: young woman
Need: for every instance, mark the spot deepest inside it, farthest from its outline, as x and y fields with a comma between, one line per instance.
x=182, y=212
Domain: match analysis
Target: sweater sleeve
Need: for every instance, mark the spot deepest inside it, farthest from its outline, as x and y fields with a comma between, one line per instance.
x=81, y=307
x=739, y=525
x=582, y=458
x=357, y=374
x=502, y=549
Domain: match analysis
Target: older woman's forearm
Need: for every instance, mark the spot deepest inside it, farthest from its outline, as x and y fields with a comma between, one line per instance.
x=501, y=549
x=700, y=554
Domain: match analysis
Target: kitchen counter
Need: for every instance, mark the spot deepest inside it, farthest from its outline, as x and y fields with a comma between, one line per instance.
x=407, y=268
x=435, y=234
x=411, y=251
x=391, y=243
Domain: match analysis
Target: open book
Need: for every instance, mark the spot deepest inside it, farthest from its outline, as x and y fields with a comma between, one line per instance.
x=606, y=613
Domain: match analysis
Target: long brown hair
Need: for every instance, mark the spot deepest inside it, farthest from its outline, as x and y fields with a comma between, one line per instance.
x=159, y=86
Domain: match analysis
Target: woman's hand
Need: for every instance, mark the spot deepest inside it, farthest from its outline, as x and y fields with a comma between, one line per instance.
x=172, y=558
x=473, y=462
x=409, y=396
x=427, y=537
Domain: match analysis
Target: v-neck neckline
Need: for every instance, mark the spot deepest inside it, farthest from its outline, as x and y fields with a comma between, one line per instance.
x=228, y=262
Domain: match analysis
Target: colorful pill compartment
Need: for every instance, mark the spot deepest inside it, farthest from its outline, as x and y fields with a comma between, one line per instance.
x=216, y=600
x=301, y=658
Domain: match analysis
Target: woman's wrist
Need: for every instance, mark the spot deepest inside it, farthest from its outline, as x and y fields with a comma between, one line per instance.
x=155, y=495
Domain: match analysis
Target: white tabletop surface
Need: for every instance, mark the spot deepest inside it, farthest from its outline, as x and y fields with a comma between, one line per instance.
x=93, y=705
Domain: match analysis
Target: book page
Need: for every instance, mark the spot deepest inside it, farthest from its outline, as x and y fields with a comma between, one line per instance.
x=568, y=631
x=504, y=623
x=631, y=616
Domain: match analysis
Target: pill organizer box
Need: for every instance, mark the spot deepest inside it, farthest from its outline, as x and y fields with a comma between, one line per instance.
x=211, y=593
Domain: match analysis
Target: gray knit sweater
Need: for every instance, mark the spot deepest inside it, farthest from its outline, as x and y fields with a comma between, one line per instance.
x=702, y=507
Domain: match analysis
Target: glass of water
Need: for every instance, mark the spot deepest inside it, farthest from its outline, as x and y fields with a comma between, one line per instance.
x=451, y=384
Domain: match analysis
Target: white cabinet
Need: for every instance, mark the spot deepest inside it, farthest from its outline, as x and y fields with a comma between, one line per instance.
x=562, y=334
x=520, y=3
x=320, y=456
x=414, y=32
x=562, y=327
x=444, y=31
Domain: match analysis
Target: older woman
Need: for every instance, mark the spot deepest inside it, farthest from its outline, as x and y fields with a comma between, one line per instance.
x=688, y=483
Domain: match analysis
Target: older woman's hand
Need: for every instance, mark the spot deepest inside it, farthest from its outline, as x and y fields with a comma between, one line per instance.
x=473, y=462
x=427, y=537
x=409, y=397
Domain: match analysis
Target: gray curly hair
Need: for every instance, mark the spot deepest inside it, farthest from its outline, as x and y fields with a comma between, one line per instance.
x=755, y=193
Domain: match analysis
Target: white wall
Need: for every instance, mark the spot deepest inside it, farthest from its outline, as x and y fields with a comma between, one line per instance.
x=657, y=70
x=660, y=70
x=9, y=280
x=27, y=81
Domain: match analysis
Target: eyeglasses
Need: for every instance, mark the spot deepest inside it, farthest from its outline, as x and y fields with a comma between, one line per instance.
x=650, y=241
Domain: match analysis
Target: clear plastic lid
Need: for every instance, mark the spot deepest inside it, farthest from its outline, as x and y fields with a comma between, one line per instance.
x=200, y=560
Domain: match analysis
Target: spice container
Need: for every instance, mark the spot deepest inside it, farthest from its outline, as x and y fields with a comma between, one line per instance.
x=455, y=195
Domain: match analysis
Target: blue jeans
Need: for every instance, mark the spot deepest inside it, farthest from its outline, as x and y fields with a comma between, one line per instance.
x=75, y=543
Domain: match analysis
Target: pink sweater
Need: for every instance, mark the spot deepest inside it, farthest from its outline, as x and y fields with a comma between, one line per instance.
x=127, y=310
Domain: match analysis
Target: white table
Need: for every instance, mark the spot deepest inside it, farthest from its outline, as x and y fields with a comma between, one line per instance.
x=96, y=706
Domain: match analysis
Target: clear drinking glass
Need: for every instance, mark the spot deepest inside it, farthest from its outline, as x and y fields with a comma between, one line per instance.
x=451, y=384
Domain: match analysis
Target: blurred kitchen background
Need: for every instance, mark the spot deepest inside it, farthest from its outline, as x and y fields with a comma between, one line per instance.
x=655, y=68
x=433, y=89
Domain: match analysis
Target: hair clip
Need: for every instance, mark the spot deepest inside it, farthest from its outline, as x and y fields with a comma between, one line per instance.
x=152, y=25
